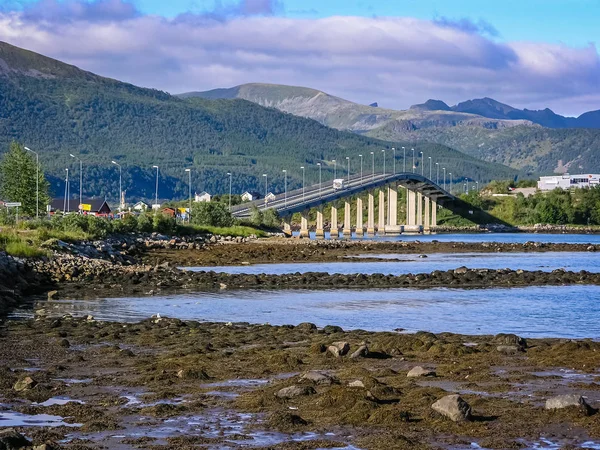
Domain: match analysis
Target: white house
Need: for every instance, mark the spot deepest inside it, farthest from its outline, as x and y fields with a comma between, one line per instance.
x=202, y=197
x=141, y=206
x=250, y=196
x=270, y=197
x=567, y=181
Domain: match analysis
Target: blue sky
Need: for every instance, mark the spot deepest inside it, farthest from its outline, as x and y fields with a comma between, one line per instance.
x=527, y=53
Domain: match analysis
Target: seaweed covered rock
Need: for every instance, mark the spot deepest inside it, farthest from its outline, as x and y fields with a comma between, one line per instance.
x=453, y=407
x=570, y=401
x=10, y=439
x=294, y=391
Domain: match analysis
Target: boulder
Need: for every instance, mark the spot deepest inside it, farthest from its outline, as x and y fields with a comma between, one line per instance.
x=330, y=329
x=453, y=407
x=356, y=384
x=361, y=352
x=339, y=349
x=294, y=391
x=10, y=439
x=509, y=349
x=569, y=401
x=25, y=384
x=318, y=378
x=52, y=295
x=419, y=371
x=306, y=326
x=510, y=339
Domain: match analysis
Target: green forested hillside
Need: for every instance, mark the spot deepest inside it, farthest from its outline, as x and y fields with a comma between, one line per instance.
x=59, y=110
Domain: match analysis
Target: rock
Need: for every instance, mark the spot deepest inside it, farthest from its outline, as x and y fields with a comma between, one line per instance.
x=509, y=349
x=317, y=377
x=330, y=329
x=419, y=371
x=356, y=384
x=45, y=447
x=422, y=256
x=461, y=270
x=453, y=407
x=361, y=352
x=192, y=374
x=10, y=439
x=338, y=349
x=591, y=248
x=126, y=352
x=64, y=343
x=306, y=326
x=510, y=339
x=52, y=295
x=25, y=384
x=294, y=391
x=568, y=401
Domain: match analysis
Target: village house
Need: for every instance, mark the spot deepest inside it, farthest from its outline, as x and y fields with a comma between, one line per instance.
x=202, y=197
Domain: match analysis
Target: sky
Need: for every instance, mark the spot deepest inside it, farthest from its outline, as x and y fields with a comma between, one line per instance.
x=527, y=53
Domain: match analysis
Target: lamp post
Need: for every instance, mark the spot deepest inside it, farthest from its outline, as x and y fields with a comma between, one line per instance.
x=189, y=171
x=266, y=187
x=302, y=167
x=156, y=191
x=450, y=181
x=429, y=167
x=477, y=186
x=437, y=173
x=373, y=163
x=37, y=182
x=80, y=182
x=361, y=170
x=383, y=151
x=422, y=165
x=285, y=187
x=319, y=164
x=334, y=169
x=120, y=186
x=229, y=173
x=414, y=167
x=394, y=162
x=403, y=159
x=66, y=205
x=444, y=169
x=348, y=159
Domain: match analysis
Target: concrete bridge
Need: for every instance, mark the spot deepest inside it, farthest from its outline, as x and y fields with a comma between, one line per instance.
x=423, y=199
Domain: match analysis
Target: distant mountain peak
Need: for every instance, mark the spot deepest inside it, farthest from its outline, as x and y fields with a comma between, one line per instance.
x=431, y=105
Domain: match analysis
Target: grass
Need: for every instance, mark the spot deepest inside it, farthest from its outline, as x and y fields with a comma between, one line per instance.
x=236, y=230
x=22, y=246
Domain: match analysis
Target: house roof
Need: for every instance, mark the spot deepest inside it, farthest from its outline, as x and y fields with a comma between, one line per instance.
x=57, y=204
x=254, y=194
x=141, y=202
x=203, y=193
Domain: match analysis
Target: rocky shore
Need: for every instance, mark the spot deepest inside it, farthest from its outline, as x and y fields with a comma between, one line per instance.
x=18, y=280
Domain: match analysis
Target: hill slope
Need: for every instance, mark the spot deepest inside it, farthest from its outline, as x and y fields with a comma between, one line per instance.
x=57, y=109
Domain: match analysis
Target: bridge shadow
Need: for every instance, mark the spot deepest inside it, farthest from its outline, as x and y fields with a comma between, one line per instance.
x=473, y=213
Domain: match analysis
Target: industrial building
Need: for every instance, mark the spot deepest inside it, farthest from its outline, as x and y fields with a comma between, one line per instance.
x=567, y=181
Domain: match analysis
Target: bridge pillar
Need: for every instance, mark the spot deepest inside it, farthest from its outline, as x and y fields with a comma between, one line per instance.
x=319, y=233
x=427, y=224
x=434, y=208
x=360, y=231
x=419, y=208
x=371, y=214
x=287, y=225
x=381, y=222
x=392, y=226
x=347, y=231
x=304, y=224
x=412, y=197
x=334, y=231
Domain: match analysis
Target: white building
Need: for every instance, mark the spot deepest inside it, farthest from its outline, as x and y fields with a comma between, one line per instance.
x=202, y=197
x=250, y=196
x=567, y=181
x=141, y=206
x=270, y=197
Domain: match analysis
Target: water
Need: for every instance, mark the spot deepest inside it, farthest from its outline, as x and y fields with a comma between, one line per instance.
x=400, y=264
x=553, y=238
x=552, y=311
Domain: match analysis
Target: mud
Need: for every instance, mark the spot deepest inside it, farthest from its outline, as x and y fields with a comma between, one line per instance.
x=157, y=384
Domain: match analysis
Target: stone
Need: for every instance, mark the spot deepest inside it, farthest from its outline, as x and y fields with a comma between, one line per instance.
x=10, y=439
x=461, y=270
x=317, y=377
x=510, y=339
x=330, y=329
x=568, y=401
x=52, y=295
x=453, y=407
x=45, y=447
x=306, y=326
x=25, y=384
x=64, y=343
x=361, y=352
x=356, y=384
x=294, y=391
x=339, y=349
x=509, y=349
x=419, y=371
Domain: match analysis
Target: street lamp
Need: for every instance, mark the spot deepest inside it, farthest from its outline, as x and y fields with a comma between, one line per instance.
x=156, y=191
x=394, y=162
x=348, y=159
x=361, y=170
x=383, y=161
x=422, y=165
x=37, y=182
x=334, y=169
x=285, y=187
x=373, y=163
x=189, y=171
x=120, y=185
x=429, y=167
x=302, y=167
x=80, y=182
x=437, y=173
x=319, y=164
x=450, y=181
x=229, y=173
x=403, y=159
x=414, y=167
x=444, y=169
x=266, y=187
x=66, y=203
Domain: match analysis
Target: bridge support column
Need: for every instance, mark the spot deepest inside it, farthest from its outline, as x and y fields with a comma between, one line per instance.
x=381, y=222
x=304, y=224
x=334, y=231
x=360, y=231
x=427, y=223
x=287, y=225
x=412, y=198
x=434, y=208
x=419, y=208
x=392, y=226
x=371, y=214
x=347, y=231
x=319, y=233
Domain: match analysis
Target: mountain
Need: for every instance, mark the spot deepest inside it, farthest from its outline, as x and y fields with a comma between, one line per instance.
x=533, y=141
x=58, y=109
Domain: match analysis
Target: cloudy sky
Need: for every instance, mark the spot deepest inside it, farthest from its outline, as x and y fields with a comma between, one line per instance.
x=528, y=53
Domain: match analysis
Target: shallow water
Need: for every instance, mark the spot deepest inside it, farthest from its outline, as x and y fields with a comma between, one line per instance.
x=399, y=264
x=15, y=419
x=537, y=311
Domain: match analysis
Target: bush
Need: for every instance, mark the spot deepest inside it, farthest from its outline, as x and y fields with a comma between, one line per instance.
x=256, y=216
x=144, y=223
x=163, y=223
x=271, y=218
x=211, y=214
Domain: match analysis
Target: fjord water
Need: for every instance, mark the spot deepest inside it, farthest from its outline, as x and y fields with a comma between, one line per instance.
x=400, y=264
x=563, y=311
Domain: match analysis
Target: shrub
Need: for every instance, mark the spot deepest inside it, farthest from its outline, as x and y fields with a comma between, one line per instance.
x=211, y=214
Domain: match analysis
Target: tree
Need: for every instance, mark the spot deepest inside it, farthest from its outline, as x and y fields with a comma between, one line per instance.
x=211, y=214
x=18, y=180
x=271, y=218
x=256, y=216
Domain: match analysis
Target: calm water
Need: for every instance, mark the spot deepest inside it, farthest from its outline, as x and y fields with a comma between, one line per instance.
x=402, y=264
x=555, y=238
x=567, y=311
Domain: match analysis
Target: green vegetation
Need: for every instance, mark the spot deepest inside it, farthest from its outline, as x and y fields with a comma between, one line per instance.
x=19, y=246
x=211, y=214
x=18, y=174
x=100, y=120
